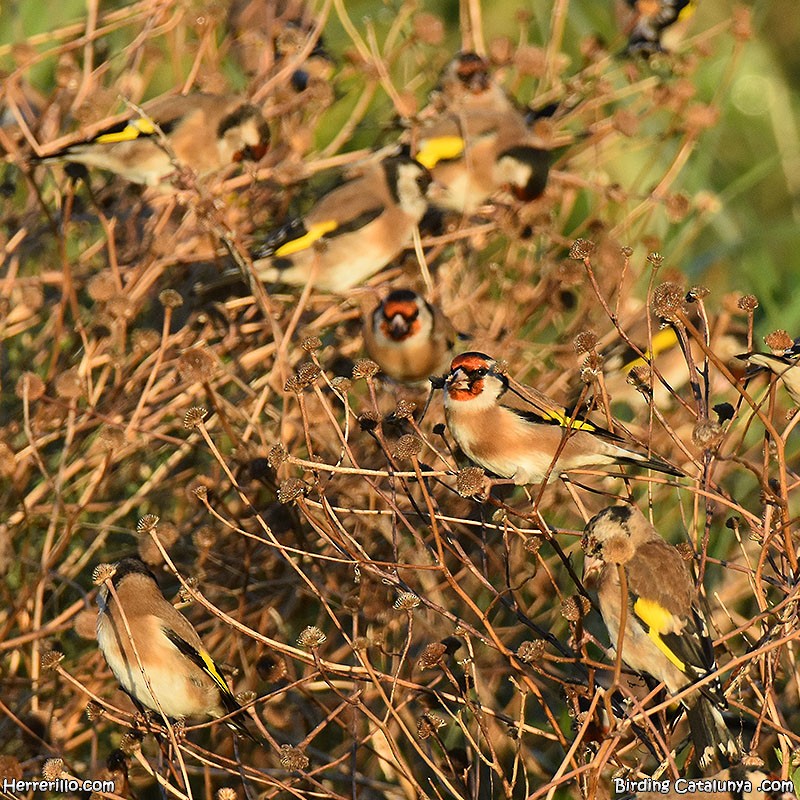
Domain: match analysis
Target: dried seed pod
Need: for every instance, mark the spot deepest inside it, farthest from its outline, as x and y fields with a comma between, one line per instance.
x=581, y=249
x=311, y=637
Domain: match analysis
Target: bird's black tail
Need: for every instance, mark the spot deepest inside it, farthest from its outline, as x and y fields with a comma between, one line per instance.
x=713, y=742
x=652, y=462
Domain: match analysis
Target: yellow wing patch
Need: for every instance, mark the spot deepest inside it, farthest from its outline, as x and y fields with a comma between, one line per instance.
x=211, y=669
x=566, y=421
x=314, y=233
x=133, y=130
x=439, y=149
x=658, y=620
x=662, y=341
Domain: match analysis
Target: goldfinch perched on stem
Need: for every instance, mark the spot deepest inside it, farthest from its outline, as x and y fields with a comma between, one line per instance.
x=408, y=337
x=785, y=365
x=479, y=143
x=665, y=633
x=203, y=132
x=181, y=674
x=516, y=432
x=352, y=232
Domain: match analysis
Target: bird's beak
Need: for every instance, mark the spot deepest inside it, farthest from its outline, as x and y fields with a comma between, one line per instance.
x=591, y=571
x=398, y=326
x=458, y=380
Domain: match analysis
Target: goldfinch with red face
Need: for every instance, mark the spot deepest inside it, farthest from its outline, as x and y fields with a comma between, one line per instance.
x=352, y=232
x=785, y=365
x=518, y=433
x=665, y=634
x=203, y=132
x=409, y=338
x=183, y=677
x=468, y=84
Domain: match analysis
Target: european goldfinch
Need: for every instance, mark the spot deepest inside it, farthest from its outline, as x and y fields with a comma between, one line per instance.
x=408, y=337
x=665, y=633
x=203, y=132
x=476, y=141
x=468, y=84
x=516, y=432
x=182, y=675
x=650, y=21
x=352, y=232
x=784, y=365
x=473, y=154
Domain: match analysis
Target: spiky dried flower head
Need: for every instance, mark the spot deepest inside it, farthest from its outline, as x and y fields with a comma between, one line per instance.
x=428, y=724
x=293, y=758
x=341, y=384
x=641, y=378
x=752, y=759
x=69, y=385
x=111, y=438
x=147, y=523
x=311, y=637
x=277, y=455
x=406, y=601
x=52, y=769
x=194, y=417
x=432, y=655
x=668, y=301
x=581, y=249
x=592, y=367
x=196, y=365
x=94, y=712
x=574, y=607
x=778, y=341
x=120, y=307
x=308, y=373
x=618, y=550
x=365, y=368
x=245, y=697
x=226, y=793
x=102, y=286
x=626, y=251
x=102, y=573
x=407, y=446
x=290, y=490
x=29, y=384
x=368, y=420
x=189, y=585
x=584, y=342
x=685, y=550
x=533, y=544
x=200, y=491
x=169, y=298
x=748, y=302
x=130, y=742
x=677, y=206
x=405, y=409
x=655, y=260
x=530, y=651
x=51, y=659
x=707, y=434
x=8, y=461
x=471, y=481
x=311, y=343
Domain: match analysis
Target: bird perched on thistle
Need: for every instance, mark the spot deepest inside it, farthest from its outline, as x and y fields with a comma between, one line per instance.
x=520, y=434
x=202, y=132
x=479, y=143
x=351, y=232
x=156, y=654
x=409, y=338
x=665, y=634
